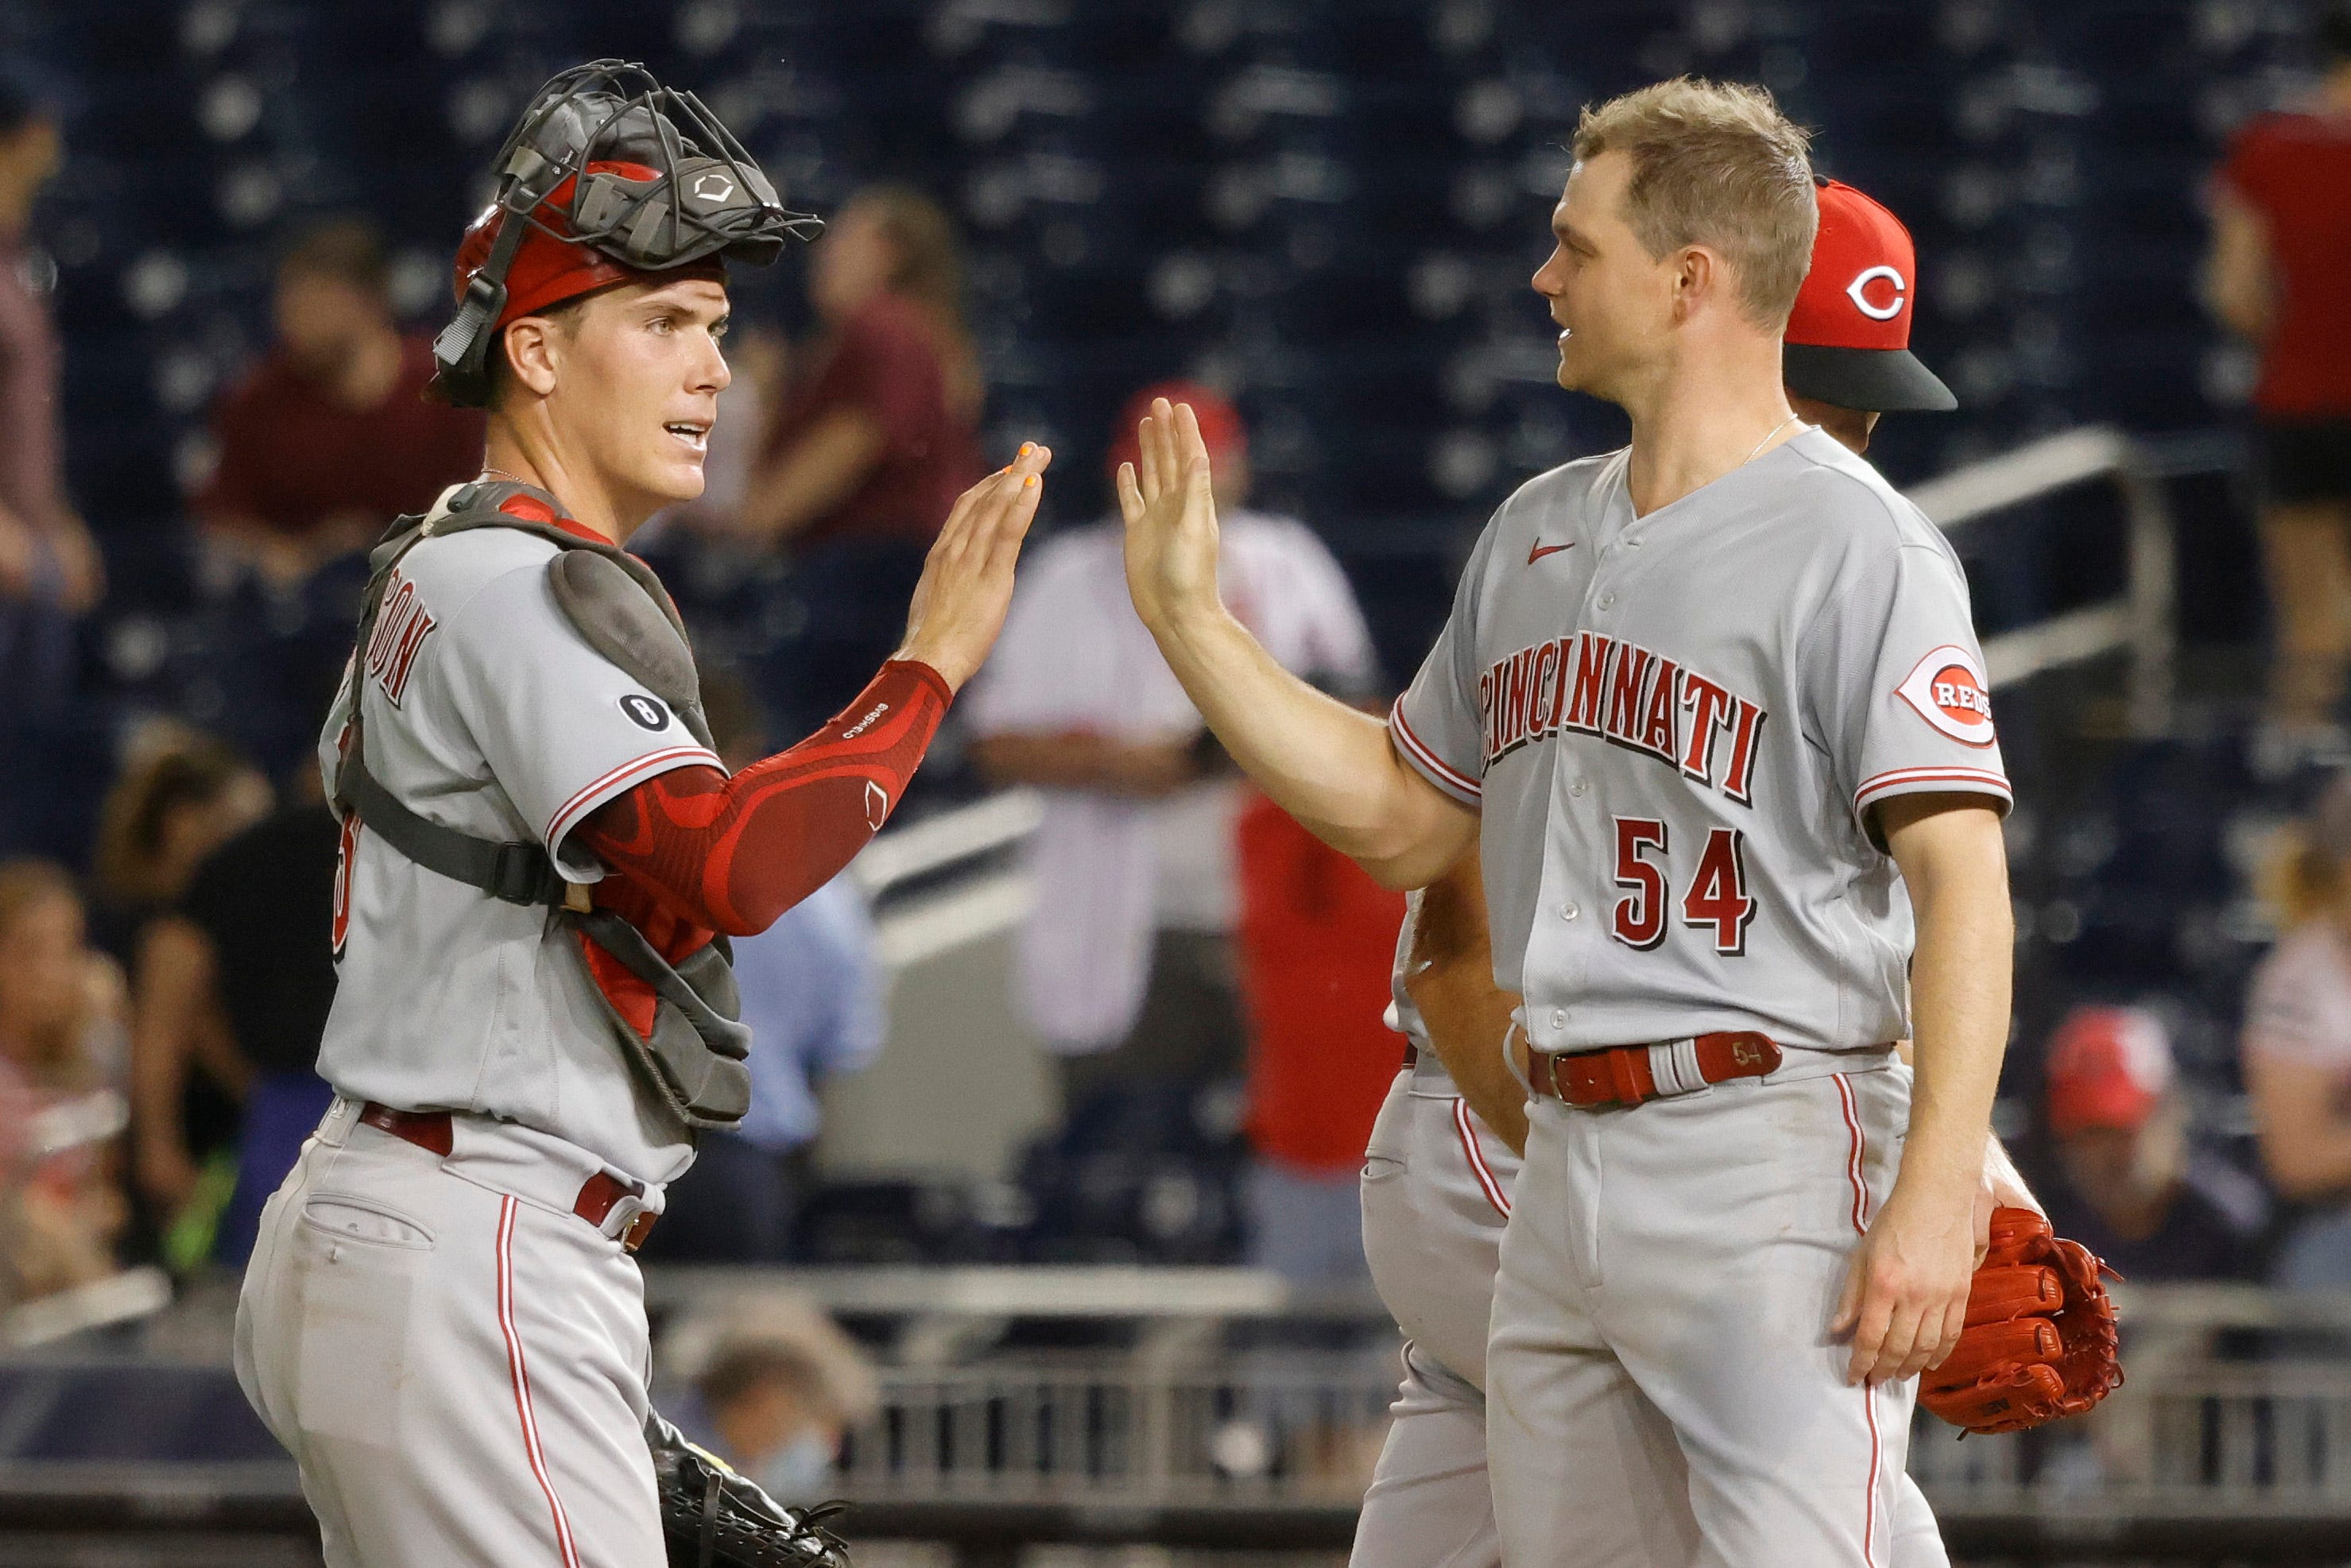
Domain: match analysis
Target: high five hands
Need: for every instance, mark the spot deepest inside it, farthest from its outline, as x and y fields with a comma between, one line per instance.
x=966, y=587
x=1171, y=519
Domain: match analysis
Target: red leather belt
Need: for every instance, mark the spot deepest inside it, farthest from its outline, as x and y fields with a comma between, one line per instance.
x=598, y=1195
x=1624, y=1074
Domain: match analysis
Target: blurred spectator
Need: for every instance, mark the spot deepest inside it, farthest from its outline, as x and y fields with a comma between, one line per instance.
x=2281, y=248
x=60, y=1097
x=2135, y=1191
x=1317, y=944
x=813, y=993
x=330, y=436
x=776, y=1387
x=50, y=570
x=2297, y=1045
x=247, y=953
x=181, y=795
x=1126, y=962
x=873, y=439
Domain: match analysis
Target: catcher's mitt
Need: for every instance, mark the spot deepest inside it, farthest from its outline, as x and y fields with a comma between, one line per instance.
x=713, y=1518
x=2040, y=1340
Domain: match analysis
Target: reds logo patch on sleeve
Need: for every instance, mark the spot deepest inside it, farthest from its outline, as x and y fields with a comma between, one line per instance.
x=1948, y=690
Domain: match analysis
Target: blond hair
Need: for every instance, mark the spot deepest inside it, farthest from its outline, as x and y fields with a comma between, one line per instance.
x=2300, y=883
x=2307, y=876
x=1716, y=164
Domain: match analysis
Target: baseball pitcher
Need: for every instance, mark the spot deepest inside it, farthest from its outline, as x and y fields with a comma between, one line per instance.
x=1712, y=709
x=1444, y=1158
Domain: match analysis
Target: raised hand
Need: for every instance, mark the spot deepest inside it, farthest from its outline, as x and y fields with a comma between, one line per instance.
x=967, y=586
x=1171, y=518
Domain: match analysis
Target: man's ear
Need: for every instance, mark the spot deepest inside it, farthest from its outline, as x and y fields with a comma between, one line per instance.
x=1698, y=273
x=534, y=350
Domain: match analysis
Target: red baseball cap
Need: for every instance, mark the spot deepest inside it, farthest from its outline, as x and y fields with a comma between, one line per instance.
x=1220, y=422
x=546, y=270
x=2108, y=1066
x=1848, y=339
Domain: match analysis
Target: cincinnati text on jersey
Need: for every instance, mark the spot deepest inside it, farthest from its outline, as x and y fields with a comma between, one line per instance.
x=400, y=631
x=1628, y=696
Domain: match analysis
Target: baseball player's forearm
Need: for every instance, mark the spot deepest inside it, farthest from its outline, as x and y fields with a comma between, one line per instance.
x=1329, y=765
x=2001, y=1177
x=1955, y=866
x=1450, y=976
x=1470, y=1031
x=732, y=854
x=1906, y=1294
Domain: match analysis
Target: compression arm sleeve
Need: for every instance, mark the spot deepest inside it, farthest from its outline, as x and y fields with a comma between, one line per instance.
x=732, y=854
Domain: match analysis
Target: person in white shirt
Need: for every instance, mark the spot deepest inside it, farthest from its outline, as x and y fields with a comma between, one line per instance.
x=1126, y=966
x=2297, y=1047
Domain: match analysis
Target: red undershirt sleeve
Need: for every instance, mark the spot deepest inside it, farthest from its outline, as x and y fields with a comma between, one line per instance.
x=732, y=854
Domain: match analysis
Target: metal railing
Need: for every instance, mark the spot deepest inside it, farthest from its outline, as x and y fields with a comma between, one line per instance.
x=2230, y=1441
x=2140, y=620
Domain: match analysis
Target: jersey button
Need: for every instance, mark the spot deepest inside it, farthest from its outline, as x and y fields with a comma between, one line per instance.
x=1568, y=912
x=1559, y=1017
x=1579, y=786
x=1607, y=602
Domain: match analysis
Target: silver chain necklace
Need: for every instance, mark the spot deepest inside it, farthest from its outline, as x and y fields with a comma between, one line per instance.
x=1766, y=441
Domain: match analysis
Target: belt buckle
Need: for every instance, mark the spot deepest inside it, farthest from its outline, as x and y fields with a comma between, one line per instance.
x=1554, y=1070
x=629, y=1220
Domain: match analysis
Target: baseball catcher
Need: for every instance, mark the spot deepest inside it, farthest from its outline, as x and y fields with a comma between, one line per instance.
x=542, y=860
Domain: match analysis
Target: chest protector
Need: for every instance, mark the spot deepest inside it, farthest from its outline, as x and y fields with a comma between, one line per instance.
x=694, y=1059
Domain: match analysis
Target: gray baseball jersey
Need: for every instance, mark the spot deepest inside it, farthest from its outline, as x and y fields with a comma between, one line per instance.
x=487, y=712
x=1674, y=726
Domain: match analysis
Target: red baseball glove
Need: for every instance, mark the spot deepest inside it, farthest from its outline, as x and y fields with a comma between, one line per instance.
x=2040, y=1340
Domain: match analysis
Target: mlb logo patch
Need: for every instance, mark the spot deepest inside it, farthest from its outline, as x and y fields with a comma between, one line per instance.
x=1948, y=689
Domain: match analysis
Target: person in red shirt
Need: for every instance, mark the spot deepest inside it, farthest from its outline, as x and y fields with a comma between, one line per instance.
x=1317, y=941
x=331, y=436
x=874, y=438
x=2280, y=250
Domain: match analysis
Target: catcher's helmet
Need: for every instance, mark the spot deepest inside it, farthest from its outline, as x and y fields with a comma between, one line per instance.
x=608, y=178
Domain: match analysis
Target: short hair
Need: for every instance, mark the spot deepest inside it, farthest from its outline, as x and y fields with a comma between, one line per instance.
x=348, y=250
x=1716, y=164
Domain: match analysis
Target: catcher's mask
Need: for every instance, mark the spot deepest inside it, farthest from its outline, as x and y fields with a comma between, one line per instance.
x=609, y=177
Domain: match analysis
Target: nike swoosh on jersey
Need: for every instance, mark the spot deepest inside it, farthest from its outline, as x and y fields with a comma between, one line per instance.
x=1541, y=551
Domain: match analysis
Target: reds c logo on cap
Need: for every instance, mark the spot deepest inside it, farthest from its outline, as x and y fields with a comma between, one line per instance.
x=1894, y=292
x=1948, y=690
